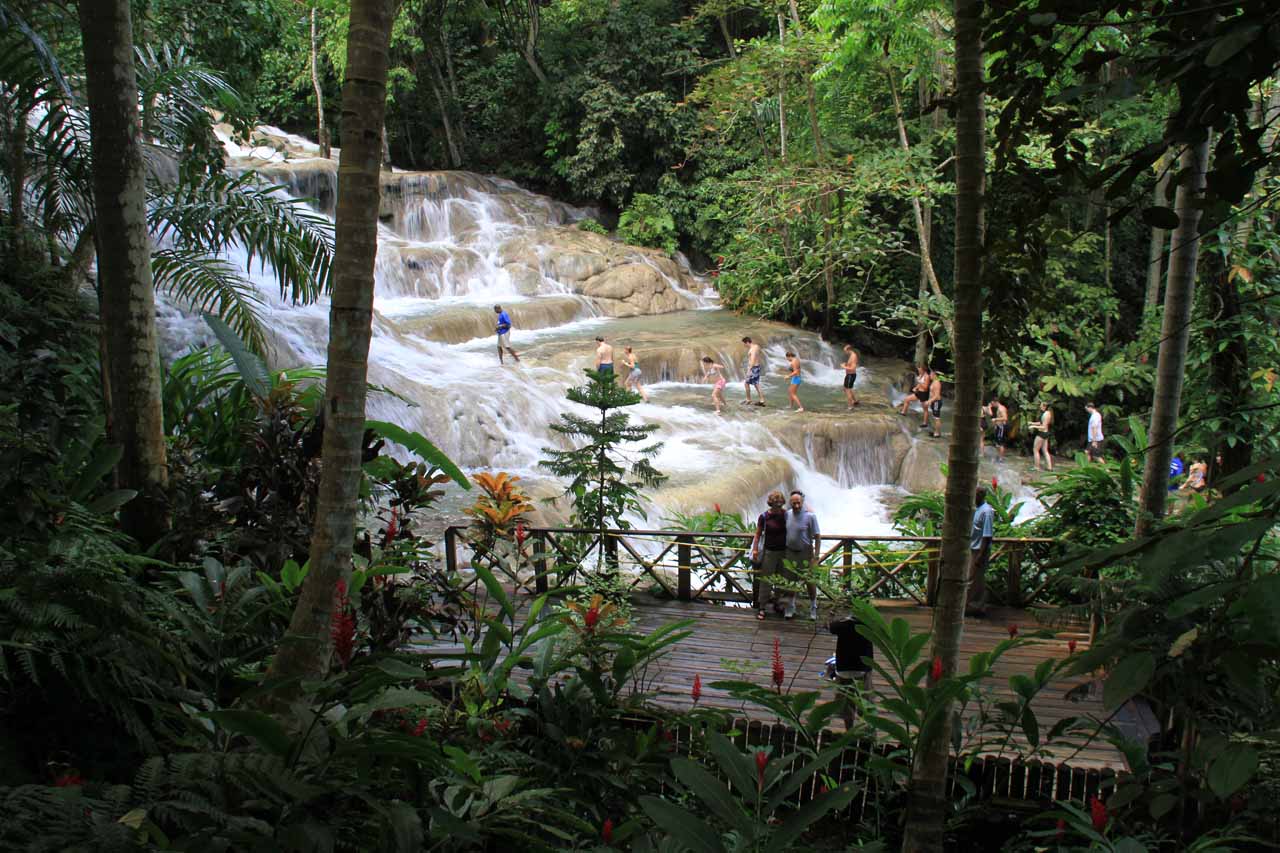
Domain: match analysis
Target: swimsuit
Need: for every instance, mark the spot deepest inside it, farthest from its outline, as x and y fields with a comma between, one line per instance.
x=1001, y=433
x=635, y=372
x=922, y=395
x=720, y=381
x=754, y=377
x=606, y=368
x=795, y=380
x=850, y=378
x=935, y=408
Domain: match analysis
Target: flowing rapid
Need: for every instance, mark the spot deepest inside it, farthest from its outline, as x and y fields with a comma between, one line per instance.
x=454, y=244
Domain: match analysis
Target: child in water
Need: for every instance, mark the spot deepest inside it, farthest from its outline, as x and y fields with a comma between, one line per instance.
x=794, y=378
x=633, y=381
x=712, y=369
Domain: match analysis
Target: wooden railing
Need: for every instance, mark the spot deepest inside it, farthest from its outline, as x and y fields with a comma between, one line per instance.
x=691, y=566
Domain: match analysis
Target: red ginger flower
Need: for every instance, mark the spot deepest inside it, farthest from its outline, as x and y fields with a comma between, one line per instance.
x=1062, y=827
x=779, y=671
x=1071, y=647
x=606, y=831
x=1098, y=812
x=1013, y=630
x=697, y=688
x=591, y=617
x=520, y=535
x=342, y=625
x=995, y=484
x=393, y=527
x=1262, y=478
x=717, y=506
x=762, y=761
x=935, y=669
x=420, y=727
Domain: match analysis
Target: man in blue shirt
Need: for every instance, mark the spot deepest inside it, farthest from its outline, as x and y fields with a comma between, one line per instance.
x=504, y=333
x=980, y=535
x=803, y=550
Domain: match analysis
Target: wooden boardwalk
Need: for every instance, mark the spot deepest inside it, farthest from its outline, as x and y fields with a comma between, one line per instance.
x=732, y=635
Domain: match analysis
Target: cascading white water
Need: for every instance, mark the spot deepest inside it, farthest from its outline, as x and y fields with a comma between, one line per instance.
x=452, y=244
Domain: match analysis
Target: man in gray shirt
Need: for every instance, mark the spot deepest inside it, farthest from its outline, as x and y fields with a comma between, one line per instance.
x=803, y=550
x=980, y=535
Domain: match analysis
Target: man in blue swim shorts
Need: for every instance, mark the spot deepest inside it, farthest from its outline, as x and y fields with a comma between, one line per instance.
x=754, y=367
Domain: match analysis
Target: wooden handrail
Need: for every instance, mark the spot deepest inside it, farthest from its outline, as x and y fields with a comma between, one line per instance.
x=691, y=552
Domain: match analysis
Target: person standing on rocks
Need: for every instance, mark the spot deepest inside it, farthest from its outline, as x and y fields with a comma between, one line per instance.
x=919, y=389
x=1043, y=429
x=850, y=376
x=633, y=381
x=714, y=370
x=604, y=356
x=793, y=381
x=804, y=549
x=754, y=367
x=933, y=406
x=1000, y=420
x=1095, y=437
x=504, y=334
x=980, y=536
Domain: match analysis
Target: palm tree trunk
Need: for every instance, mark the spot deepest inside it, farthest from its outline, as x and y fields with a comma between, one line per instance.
x=124, y=265
x=305, y=651
x=927, y=805
x=1159, y=239
x=1178, y=297
x=322, y=132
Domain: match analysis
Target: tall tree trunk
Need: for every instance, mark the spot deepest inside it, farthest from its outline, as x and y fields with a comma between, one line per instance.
x=531, y=41
x=1228, y=364
x=733, y=54
x=1178, y=298
x=305, y=651
x=917, y=210
x=927, y=804
x=439, y=89
x=322, y=132
x=124, y=264
x=782, y=85
x=1159, y=239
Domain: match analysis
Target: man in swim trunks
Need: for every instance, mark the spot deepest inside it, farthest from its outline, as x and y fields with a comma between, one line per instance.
x=1000, y=420
x=604, y=356
x=919, y=389
x=793, y=381
x=504, y=334
x=850, y=376
x=933, y=406
x=754, y=366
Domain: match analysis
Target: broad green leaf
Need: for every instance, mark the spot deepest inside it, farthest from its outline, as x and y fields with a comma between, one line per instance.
x=400, y=670
x=111, y=501
x=683, y=826
x=1127, y=679
x=99, y=466
x=1229, y=45
x=1232, y=768
x=253, y=371
x=785, y=836
x=738, y=767
x=262, y=728
x=711, y=791
x=419, y=445
x=1030, y=727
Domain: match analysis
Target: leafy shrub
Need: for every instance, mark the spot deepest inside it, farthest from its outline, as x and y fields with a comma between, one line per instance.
x=647, y=222
x=591, y=225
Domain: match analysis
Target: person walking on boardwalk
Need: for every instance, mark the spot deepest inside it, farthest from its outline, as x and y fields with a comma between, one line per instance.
x=1094, y=437
x=504, y=334
x=713, y=371
x=755, y=365
x=1000, y=420
x=980, y=536
x=793, y=381
x=604, y=356
x=803, y=552
x=1043, y=429
x=933, y=406
x=633, y=381
x=850, y=376
x=768, y=550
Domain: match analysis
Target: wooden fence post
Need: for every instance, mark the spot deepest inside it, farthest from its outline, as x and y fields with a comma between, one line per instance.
x=451, y=549
x=1015, y=574
x=846, y=561
x=540, y=563
x=609, y=542
x=684, y=567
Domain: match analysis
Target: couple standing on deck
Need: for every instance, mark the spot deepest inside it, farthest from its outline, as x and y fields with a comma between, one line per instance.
x=786, y=544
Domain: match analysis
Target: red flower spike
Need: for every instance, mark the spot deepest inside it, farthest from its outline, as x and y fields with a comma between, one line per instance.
x=606, y=831
x=520, y=535
x=822, y=789
x=591, y=617
x=935, y=669
x=779, y=671
x=1262, y=478
x=762, y=761
x=995, y=484
x=1013, y=630
x=420, y=727
x=717, y=506
x=1071, y=647
x=393, y=527
x=68, y=780
x=342, y=625
x=697, y=688
x=1098, y=812
x=1062, y=827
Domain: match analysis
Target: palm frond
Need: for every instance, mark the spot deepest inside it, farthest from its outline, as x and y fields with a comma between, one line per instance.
x=220, y=211
x=210, y=284
x=176, y=91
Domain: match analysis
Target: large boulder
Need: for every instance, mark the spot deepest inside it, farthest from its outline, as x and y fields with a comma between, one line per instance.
x=922, y=467
x=631, y=289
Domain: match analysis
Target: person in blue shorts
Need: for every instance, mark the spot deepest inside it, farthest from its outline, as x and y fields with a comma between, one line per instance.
x=794, y=379
x=754, y=366
x=504, y=334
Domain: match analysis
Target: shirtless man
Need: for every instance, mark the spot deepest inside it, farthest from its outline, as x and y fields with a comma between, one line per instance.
x=919, y=389
x=604, y=356
x=933, y=406
x=793, y=380
x=1000, y=420
x=1196, y=477
x=754, y=366
x=850, y=376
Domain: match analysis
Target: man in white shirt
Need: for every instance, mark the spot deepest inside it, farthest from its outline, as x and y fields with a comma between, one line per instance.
x=1094, y=448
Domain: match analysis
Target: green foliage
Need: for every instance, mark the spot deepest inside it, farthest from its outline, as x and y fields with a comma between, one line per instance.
x=591, y=225
x=646, y=222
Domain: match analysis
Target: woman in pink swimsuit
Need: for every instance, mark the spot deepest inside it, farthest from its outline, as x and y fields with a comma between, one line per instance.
x=712, y=369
